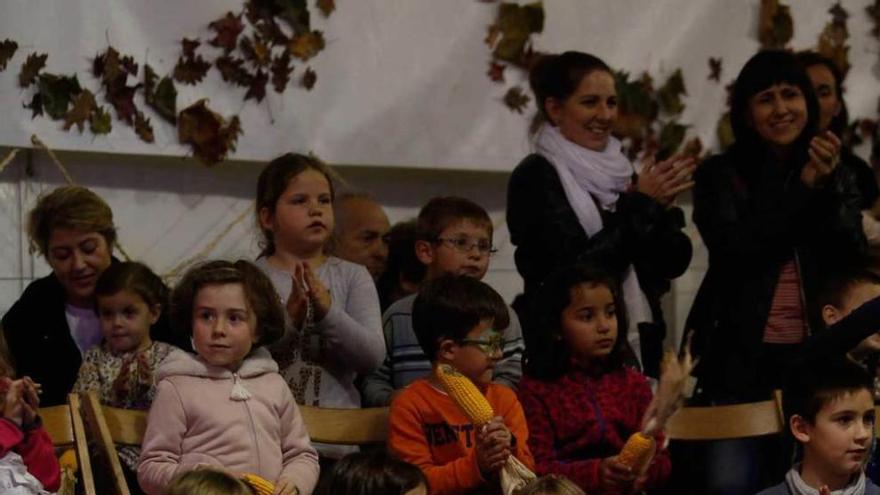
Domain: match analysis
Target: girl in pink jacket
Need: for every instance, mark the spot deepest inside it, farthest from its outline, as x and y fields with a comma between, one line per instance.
x=226, y=407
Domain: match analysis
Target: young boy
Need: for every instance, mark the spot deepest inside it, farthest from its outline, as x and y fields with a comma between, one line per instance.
x=455, y=318
x=454, y=236
x=830, y=413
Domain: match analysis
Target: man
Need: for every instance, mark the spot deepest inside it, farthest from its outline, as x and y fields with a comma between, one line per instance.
x=360, y=232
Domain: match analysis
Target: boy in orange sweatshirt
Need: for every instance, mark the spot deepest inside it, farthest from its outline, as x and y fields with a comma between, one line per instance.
x=455, y=320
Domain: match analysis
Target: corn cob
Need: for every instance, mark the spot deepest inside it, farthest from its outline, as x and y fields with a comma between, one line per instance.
x=471, y=401
x=68, y=460
x=260, y=485
x=637, y=452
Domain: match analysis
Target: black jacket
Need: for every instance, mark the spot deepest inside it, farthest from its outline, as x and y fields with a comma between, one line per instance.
x=547, y=235
x=40, y=344
x=754, y=215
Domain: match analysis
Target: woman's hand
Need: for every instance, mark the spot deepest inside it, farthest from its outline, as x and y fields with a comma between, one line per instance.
x=824, y=157
x=663, y=181
x=318, y=292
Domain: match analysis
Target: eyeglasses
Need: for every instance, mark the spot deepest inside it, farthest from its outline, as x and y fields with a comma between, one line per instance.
x=465, y=245
x=492, y=345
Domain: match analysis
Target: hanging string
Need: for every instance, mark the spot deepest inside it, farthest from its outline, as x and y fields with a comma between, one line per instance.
x=211, y=245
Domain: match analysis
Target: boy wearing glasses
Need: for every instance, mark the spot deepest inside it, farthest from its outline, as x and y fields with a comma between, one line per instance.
x=454, y=317
x=453, y=236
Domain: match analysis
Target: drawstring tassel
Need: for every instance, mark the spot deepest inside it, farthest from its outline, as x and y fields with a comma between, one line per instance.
x=238, y=390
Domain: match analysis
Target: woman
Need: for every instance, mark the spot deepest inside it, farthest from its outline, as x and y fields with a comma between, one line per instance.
x=54, y=322
x=774, y=210
x=576, y=199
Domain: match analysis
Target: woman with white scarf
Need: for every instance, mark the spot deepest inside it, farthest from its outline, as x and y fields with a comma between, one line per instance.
x=577, y=199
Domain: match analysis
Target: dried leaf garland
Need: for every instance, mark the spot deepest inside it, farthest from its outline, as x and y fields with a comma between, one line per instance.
x=113, y=70
x=255, y=51
x=7, y=51
x=35, y=106
x=227, y=28
x=205, y=130
x=306, y=45
x=715, y=69
x=295, y=12
x=191, y=67
x=832, y=41
x=100, y=122
x=83, y=106
x=516, y=24
x=31, y=68
x=516, y=99
x=281, y=70
x=232, y=70
x=326, y=6
x=143, y=128
x=775, y=25
x=309, y=78
x=257, y=87
x=161, y=97
x=57, y=93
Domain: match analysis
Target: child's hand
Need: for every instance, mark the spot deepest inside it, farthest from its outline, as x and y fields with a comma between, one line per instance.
x=13, y=407
x=297, y=302
x=31, y=398
x=285, y=486
x=318, y=292
x=614, y=476
x=493, y=446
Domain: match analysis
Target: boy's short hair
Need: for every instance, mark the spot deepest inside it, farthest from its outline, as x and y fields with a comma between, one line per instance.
x=371, y=473
x=838, y=283
x=207, y=482
x=441, y=212
x=815, y=383
x=69, y=207
x=262, y=298
x=450, y=306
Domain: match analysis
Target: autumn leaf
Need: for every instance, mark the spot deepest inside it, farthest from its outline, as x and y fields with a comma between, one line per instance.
x=143, y=128
x=227, y=28
x=36, y=105
x=57, y=92
x=724, y=131
x=129, y=65
x=326, y=6
x=309, y=78
x=281, y=70
x=255, y=51
x=190, y=70
x=31, y=68
x=7, y=50
x=121, y=97
x=671, y=136
x=669, y=95
x=205, y=130
x=262, y=20
x=517, y=23
x=83, y=106
x=493, y=32
x=161, y=97
x=775, y=25
x=189, y=47
x=515, y=99
x=295, y=12
x=306, y=45
x=232, y=132
x=232, y=71
x=100, y=122
x=715, y=69
x=496, y=71
x=150, y=79
x=106, y=66
x=637, y=107
x=832, y=40
x=257, y=87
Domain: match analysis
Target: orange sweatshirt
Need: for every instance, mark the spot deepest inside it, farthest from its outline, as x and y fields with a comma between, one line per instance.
x=429, y=430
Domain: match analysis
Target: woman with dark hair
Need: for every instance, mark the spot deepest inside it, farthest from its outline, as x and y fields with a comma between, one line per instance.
x=774, y=210
x=578, y=199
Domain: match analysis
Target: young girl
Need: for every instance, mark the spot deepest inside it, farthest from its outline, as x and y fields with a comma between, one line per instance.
x=374, y=473
x=580, y=400
x=129, y=299
x=334, y=326
x=226, y=407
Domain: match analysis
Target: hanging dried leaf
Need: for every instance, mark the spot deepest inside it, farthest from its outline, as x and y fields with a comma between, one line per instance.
x=261, y=17
x=100, y=122
x=306, y=45
x=493, y=32
x=129, y=65
x=515, y=99
x=669, y=95
x=715, y=69
x=227, y=28
x=83, y=106
x=189, y=47
x=671, y=136
x=150, y=79
x=257, y=88
x=210, y=137
x=637, y=107
x=496, y=71
x=31, y=68
x=7, y=50
x=281, y=70
x=326, y=6
x=724, y=131
x=191, y=70
x=143, y=128
x=121, y=97
x=57, y=92
x=775, y=25
x=232, y=71
x=295, y=12
x=255, y=51
x=309, y=78
x=162, y=97
x=874, y=13
x=106, y=66
x=832, y=41
x=36, y=105
x=517, y=23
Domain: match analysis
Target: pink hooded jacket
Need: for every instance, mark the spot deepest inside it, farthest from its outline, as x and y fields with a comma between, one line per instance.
x=246, y=422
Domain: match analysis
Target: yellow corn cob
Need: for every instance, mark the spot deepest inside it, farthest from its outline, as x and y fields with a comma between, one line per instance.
x=260, y=485
x=637, y=452
x=471, y=401
x=68, y=460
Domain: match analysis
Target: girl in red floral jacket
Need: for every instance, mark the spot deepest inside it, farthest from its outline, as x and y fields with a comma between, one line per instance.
x=581, y=401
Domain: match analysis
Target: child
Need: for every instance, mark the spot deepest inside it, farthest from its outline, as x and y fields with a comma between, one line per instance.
x=227, y=407
x=403, y=271
x=129, y=299
x=581, y=401
x=830, y=413
x=207, y=482
x=334, y=327
x=552, y=485
x=454, y=235
x=375, y=473
x=454, y=318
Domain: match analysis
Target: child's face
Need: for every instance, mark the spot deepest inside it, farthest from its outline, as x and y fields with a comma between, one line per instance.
x=303, y=216
x=837, y=441
x=476, y=355
x=126, y=320
x=461, y=249
x=419, y=490
x=589, y=322
x=224, y=327
x=855, y=296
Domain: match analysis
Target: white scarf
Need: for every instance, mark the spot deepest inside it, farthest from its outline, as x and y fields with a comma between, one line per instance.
x=797, y=486
x=589, y=176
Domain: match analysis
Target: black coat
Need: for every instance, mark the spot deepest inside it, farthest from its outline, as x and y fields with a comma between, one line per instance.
x=548, y=236
x=40, y=344
x=754, y=215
